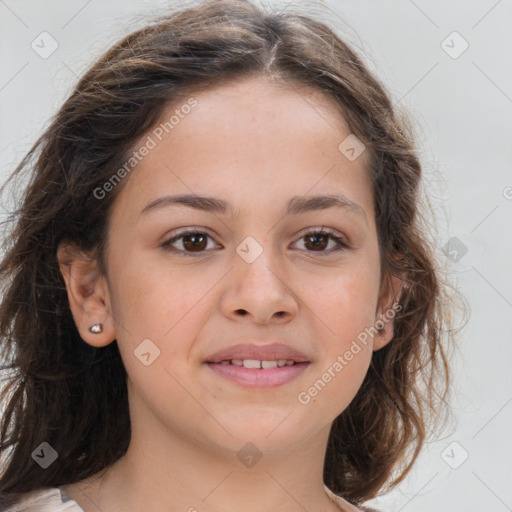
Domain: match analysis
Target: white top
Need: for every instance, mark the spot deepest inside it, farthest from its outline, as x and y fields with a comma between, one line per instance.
x=55, y=499
x=49, y=499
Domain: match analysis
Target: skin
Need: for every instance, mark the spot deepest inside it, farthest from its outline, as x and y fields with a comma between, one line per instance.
x=255, y=145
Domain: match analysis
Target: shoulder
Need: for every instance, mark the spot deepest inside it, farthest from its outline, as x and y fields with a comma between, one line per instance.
x=362, y=508
x=346, y=505
x=48, y=499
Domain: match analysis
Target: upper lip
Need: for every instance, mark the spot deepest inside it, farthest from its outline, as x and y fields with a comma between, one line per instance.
x=269, y=352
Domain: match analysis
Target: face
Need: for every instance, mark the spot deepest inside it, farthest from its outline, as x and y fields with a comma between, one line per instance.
x=256, y=271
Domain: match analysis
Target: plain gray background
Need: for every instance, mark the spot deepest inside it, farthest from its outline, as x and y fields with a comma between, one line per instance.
x=462, y=105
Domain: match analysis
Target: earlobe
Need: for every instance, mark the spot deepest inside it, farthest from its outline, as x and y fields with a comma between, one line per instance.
x=88, y=295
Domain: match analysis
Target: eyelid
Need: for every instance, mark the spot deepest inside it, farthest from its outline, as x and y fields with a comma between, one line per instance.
x=190, y=230
x=326, y=231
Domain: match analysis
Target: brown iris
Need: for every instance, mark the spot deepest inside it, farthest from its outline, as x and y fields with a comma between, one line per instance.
x=316, y=237
x=195, y=244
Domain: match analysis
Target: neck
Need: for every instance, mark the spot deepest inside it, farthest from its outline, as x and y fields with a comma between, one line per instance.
x=164, y=469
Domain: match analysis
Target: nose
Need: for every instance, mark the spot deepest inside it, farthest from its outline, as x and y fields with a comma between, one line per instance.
x=259, y=292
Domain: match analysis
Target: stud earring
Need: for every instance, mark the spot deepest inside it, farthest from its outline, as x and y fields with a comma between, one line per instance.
x=96, y=328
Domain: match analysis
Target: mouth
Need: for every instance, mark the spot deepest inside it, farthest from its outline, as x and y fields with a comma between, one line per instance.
x=257, y=363
x=257, y=373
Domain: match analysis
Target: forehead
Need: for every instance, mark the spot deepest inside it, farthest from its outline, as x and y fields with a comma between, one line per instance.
x=254, y=137
x=261, y=103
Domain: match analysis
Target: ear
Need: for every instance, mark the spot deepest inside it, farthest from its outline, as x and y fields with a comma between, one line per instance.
x=387, y=308
x=87, y=294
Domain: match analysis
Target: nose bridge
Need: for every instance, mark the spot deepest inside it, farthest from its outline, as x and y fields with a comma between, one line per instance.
x=257, y=261
x=259, y=284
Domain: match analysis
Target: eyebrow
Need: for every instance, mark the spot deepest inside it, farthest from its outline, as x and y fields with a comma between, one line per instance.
x=296, y=205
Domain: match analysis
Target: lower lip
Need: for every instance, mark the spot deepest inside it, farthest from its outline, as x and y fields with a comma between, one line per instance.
x=258, y=378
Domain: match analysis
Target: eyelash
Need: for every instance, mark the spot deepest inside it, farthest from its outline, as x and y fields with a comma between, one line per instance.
x=167, y=245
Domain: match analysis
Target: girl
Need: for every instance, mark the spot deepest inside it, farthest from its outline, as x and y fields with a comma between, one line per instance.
x=218, y=293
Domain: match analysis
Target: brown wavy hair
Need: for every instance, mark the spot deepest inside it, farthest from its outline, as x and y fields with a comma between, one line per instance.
x=63, y=391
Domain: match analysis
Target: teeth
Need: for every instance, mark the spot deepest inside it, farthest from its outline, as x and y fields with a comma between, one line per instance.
x=252, y=363
x=256, y=363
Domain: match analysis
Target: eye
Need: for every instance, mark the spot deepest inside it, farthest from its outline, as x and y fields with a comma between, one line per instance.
x=318, y=241
x=195, y=242
x=192, y=241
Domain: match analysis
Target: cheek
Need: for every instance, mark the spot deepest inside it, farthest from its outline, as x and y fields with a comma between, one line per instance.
x=152, y=296
x=330, y=392
x=159, y=315
x=344, y=308
x=157, y=302
x=345, y=301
